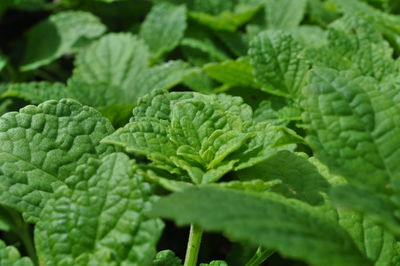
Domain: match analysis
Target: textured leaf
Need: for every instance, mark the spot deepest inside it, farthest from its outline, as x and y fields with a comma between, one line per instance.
x=163, y=28
x=167, y=258
x=205, y=136
x=377, y=206
x=278, y=64
x=62, y=31
x=42, y=146
x=215, y=263
x=226, y=20
x=101, y=215
x=114, y=71
x=207, y=6
x=294, y=229
x=9, y=256
x=300, y=179
x=276, y=115
x=373, y=239
x=105, y=73
x=36, y=92
x=284, y=14
x=236, y=73
x=353, y=127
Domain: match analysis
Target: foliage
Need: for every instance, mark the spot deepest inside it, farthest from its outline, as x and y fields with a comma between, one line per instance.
x=274, y=124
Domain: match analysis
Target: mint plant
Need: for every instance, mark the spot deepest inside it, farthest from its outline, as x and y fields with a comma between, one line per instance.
x=131, y=130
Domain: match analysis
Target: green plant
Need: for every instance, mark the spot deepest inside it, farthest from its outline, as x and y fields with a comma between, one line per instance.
x=272, y=123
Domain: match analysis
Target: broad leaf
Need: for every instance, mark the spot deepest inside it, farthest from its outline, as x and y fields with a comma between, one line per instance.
x=9, y=256
x=167, y=258
x=300, y=179
x=42, y=146
x=284, y=14
x=294, y=229
x=163, y=28
x=353, y=127
x=278, y=64
x=232, y=72
x=36, y=92
x=61, y=31
x=100, y=219
x=115, y=71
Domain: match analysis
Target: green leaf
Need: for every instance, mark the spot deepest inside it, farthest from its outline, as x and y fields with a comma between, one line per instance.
x=42, y=146
x=353, y=127
x=105, y=72
x=276, y=115
x=163, y=28
x=215, y=263
x=232, y=72
x=284, y=14
x=207, y=6
x=56, y=36
x=377, y=206
x=102, y=214
x=227, y=20
x=115, y=71
x=300, y=179
x=36, y=92
x=294, y=229
x=167, y=258
x=9, y=256
x=205, y=136
x=278, y=64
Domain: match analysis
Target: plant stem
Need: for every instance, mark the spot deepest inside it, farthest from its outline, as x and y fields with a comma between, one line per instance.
x=193, y=245
x=260, y=256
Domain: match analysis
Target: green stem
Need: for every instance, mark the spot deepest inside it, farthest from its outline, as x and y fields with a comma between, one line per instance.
x=193, y=245
x=260, y=256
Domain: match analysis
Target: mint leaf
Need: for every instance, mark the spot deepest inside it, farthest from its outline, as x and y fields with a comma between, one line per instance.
x=227, y=20
x=9, y=256
x=123, y=75
x=167, y=258
x=352, y=127
x=62, y=31
x=108, y=201
x=284, y=14
x=232, y=72
x=377, y=206
x=205, y=136
x=300, y=179
x=294, y=229
x=278, y=64
x=163, y=28
x=36, y=92
x=42, y=146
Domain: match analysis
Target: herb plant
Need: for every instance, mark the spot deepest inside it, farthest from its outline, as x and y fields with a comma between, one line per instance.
x=267, y=131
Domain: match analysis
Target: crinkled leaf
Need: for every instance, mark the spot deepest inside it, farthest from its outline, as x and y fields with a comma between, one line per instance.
x=167, y=258
x=278, y=64
x=227, y=20
x=106, y=72
x=101, y=216
x=36, y=92
x=114, y=71
x=9, y=256
x=62, y=31
x=284, y=14
x=294, y=229
x=163, y=28
x=353, y=127
x=276, y=115
x=232, y=72
x=215, y=263
x=42, y=146
x=300, y=179
x=377, y=206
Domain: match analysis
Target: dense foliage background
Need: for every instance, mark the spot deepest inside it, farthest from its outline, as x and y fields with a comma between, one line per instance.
x=323, y=74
